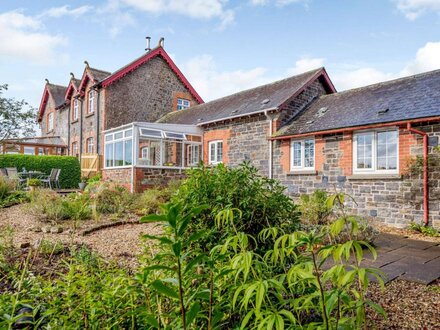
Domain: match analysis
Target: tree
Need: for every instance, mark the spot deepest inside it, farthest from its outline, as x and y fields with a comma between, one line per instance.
x=17, y=118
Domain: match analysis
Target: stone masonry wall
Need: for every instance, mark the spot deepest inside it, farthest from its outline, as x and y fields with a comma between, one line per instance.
x=145, y=94
x=394, y=201
x=243, y=140
x=148, y=177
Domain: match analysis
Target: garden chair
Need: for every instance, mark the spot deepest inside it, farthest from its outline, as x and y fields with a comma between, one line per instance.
x=57, y=179
x=51, y=178
x=12, y=174
x=3, y=172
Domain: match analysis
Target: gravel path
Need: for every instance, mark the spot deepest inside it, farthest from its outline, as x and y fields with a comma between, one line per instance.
x=121, y=244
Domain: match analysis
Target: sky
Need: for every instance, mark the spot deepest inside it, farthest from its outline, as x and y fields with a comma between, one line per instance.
x=221, y=46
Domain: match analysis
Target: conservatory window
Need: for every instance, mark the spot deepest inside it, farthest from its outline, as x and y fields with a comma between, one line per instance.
x=118, y=149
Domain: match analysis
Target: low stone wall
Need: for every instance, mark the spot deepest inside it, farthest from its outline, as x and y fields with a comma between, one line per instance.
x=120, y=176
x=148, y=177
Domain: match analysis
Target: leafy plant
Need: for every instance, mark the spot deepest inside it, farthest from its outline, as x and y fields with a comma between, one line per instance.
x=425, y=230
x=314, y=208
x=34, y=182
x=261, y=200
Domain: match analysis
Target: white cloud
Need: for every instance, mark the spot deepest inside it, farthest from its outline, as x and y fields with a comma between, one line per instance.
x=65, y=10
x=413, y=9
x=279, y=3
x=114, y=18
x=211, y=83
x=24, y=37
x=200, y=9
x=427, y=58
x=305, y=64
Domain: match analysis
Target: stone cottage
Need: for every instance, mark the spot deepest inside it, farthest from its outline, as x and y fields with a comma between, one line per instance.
x=373, y=143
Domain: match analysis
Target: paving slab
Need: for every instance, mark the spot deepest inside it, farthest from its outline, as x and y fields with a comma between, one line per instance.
x=422, y=245
x=425, y=275
x=423, y=256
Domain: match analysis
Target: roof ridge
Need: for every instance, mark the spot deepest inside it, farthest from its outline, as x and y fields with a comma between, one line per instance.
x=255, y=88
x=56, y=85
x=385, y=83
x=103, y=71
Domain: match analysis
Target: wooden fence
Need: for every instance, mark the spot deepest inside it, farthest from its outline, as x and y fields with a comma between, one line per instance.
x=90, y=164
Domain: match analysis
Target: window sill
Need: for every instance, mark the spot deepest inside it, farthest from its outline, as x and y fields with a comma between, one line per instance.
x=74, y=121
x=374, y=176
x=51, y=131
x=302, y=172
x=90, y=114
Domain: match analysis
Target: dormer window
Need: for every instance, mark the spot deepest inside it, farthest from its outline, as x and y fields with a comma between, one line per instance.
x=91, y=107
x=50, y=122
x=75, y=109
x=182, y=104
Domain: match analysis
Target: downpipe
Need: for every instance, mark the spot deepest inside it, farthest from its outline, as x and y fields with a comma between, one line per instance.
x=425, y=172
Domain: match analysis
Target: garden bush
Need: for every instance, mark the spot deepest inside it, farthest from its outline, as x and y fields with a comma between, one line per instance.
x=233, y=286
x=111, y=198
x=9, y=195
x=47, y=205
x=70, y=167
x=261, y=200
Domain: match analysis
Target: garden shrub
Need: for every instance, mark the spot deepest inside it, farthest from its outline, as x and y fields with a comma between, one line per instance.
x=49, y=206
x=261, y=200
x=151, y=199
x=110, y=198
x=9, y=195
x=70, y=167
x=234, y=286
x=313, y=207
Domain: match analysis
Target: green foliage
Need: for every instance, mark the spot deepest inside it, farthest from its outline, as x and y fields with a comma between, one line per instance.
x=34, y=182
x=235, y=286
x=9, y=195
x=96, y=178
x=425, y=230
x=151, y=199
x=313, y=207
x=49, y=206
x=88, y=294
x=113, y=200
x=70, y=167
x=17, y=118
x=261, y=200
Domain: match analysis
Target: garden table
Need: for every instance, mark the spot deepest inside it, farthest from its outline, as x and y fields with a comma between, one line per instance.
x=31, y=174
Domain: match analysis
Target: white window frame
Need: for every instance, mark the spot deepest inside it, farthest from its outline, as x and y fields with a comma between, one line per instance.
x=190, y=148
x=75, y=147
x=91, y=101
x=183, y=104
x=216, y=161
x=302, y=167
x=111, y=139
x=90, y=145
x=147, y=153
x=75, y=109
x=373, y=169
x=50, y=121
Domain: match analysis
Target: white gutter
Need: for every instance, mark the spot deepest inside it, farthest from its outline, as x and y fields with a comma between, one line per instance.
x=238, y=116
x=270, y=142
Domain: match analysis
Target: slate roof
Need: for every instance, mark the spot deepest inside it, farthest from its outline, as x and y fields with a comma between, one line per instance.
x=402, y=99
x=243, y=103
x=99, y=75
x=57, y=93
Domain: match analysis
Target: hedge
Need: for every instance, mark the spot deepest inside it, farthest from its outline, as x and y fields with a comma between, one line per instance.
x=70, y=168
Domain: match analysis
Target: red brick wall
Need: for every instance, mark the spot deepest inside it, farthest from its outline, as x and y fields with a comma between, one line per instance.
x=406, y=142
x=121, y=176
x=217, y=134
x=285, y=155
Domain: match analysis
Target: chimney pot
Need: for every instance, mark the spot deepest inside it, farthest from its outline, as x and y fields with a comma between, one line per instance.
x=148, y=44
